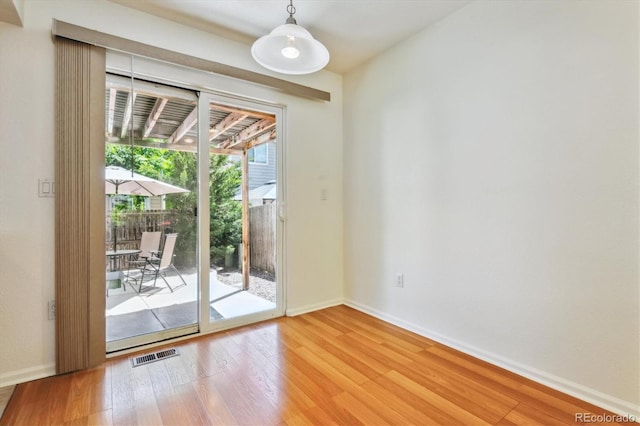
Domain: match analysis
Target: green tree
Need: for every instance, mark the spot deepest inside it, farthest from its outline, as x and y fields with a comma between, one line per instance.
x=151, y=162
x=180, y=168
x=184, y=173
x=225, y=177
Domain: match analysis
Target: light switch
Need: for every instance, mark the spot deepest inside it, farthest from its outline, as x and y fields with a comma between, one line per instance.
x=46, y=188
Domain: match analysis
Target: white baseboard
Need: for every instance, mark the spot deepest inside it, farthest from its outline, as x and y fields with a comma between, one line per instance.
x=27, y=374
x=315, y=307
x=608, y=402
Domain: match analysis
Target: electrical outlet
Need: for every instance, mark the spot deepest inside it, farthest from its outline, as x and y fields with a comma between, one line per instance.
x=52, y=309
x=324, y=194
x=399, y=280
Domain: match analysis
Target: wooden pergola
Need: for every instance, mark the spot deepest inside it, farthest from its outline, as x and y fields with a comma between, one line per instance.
x=157, y=117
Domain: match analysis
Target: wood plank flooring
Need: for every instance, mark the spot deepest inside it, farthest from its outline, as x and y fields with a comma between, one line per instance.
x=334, y=366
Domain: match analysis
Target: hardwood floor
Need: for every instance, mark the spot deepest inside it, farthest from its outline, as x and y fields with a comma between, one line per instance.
x=335, y=366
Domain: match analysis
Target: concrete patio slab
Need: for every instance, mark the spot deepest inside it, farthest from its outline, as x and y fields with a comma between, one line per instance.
x=156, y=308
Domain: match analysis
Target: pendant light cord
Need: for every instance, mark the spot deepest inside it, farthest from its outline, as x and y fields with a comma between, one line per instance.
x=131, y=120
x=291, y=9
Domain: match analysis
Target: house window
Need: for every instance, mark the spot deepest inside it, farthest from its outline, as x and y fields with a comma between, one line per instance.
x=258, y=154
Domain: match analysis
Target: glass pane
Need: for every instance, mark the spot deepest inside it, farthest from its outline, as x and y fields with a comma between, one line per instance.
x=151, y=199
x=241, y=287
x=259, y=154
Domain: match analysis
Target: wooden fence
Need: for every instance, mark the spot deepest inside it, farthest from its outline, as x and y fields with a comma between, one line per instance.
x=131, y=225
x=262, y=234
x=262, y=231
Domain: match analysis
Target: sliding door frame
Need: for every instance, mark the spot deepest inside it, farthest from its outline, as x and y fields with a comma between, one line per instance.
x=206, y=94
x=279, y=111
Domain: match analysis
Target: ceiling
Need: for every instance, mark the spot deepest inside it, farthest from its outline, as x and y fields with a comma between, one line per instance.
x=353, y=30
x=158, y=116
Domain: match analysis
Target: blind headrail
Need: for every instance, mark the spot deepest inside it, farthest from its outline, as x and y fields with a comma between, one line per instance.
x=97, y=38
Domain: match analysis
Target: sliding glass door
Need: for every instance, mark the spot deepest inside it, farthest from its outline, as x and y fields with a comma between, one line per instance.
x=243, y=222
x=151, y=190
x=202, y=250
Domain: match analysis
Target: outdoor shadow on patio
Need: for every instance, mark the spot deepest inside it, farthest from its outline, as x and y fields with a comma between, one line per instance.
x=146, y=321
x=137, y=323
x=173, y=316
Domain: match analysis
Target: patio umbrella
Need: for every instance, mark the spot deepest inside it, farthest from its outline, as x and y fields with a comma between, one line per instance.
x=125, y=182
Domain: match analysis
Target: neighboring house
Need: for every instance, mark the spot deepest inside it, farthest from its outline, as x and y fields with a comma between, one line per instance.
x=262, y=164
x=262, y=174
x=263, y=194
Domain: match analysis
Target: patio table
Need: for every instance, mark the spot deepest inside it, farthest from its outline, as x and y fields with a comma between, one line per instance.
x=114, y=271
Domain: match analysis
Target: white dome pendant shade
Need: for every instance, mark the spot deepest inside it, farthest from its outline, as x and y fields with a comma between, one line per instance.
x=290, y=49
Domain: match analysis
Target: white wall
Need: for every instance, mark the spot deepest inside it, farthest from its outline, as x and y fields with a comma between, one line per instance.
x=493, y=159
x=313, y=154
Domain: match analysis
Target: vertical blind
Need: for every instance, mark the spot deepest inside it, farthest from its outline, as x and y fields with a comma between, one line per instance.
x=79, y=211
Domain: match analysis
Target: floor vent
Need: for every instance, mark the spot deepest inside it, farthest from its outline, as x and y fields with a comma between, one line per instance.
x=156, y=356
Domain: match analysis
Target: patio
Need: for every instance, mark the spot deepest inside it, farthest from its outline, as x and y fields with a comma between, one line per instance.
x=157, y=308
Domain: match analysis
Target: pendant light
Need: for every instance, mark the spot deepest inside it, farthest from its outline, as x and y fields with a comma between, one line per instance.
x=290, y=49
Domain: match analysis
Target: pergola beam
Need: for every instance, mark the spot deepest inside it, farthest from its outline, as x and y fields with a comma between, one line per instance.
x=112, y=110
x=256, y=114
x=174, y=147
x=126, y=118
x=248, y=134
x=184, y=127
x=228, y=122
x=263, y=138
x=246, y=242
x=154, y=115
